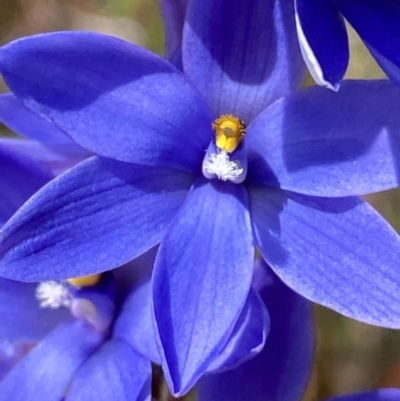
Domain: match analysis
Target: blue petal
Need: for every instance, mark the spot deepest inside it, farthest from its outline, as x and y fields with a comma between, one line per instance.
x=19, y=179
x=248, y=336
x=242, y=55
x=282, y=369
x=22, y=319
x=44, y=374
x=205, y=259
x=377, y=23
x=386, y=394
x=53, y=157
x=337, y=252
x=323, y=41
x=112, y=97
x=95, y=217
x=329, y=144
x=173, y=12
x=114, y=372
x=19, y=118
x=135, y=322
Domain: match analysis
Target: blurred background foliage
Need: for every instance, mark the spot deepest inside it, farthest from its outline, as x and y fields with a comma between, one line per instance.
x=350, y=355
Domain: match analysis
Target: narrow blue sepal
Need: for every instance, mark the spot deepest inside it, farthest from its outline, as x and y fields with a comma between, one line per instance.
x=201, y=261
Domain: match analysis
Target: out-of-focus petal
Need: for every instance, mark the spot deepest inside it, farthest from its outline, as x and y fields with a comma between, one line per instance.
x=110, y=96
x=337, y=252
x=323, y=41
x=19, y=179
x=53, y=157
x=385, y=394
x=19, y=118
x=114, y=372
x=201, y=280
x=173, y=12
x=328, y=144
x=10, y=354
x=22, y=319
x=133, y=272
x=282, y=369
x=44, y=374
x=377, y=23
x=248, y=336
x=93, y=218
x=242, y=55
x=135, y=322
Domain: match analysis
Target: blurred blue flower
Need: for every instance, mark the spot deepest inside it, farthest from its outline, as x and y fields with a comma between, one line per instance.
x=82, y=357
x=323, y=37
x=58, y=357
x=210, y=164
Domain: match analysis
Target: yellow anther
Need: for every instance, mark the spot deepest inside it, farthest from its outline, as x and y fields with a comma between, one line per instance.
x=229, y=131
x=85, y=281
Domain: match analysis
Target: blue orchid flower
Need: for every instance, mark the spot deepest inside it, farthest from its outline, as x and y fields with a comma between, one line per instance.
x=209, y=164
x=323, y=37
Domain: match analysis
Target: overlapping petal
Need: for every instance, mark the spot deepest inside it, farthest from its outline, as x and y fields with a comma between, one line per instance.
x=112, y=97
x=337, y=252
x=248, y=336
x=114, y=372
x=204, y=265
x=282, y=369
x=22, y=319
x=47, y=370
x=19, y=179
x=241, y=55
x=19, y=118
x=377, y=23
x=329, y=144
x=95, y=217
x=53, y=157
x=135, y=322
x=174, y=12
x=323, y=41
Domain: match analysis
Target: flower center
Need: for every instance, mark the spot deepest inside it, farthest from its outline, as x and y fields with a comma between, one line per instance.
x=218, y=164
x=85, y=281
x=52, y=294
x=226, y=158
x=229, y=131
x=89, y=298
